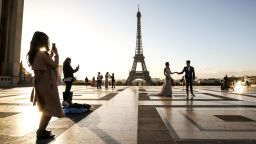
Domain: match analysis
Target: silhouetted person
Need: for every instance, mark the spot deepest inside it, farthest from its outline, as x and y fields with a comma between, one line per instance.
x=183, y=82
x=113, y=81
x=68, y=79
x=93, y=83
x=99, y=80
x=226, y=78
x=45, y=92
x=86, y=81
x=226, y=84
x=190, y=77
x=107, y=76
x=101, y=77
x=247, y=83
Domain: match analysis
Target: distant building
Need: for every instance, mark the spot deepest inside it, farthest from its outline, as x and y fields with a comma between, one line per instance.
x=156, y=80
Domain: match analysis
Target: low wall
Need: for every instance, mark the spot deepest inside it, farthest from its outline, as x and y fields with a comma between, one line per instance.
x=5, y=81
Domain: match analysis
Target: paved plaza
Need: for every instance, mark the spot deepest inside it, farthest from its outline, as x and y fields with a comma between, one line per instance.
x=130, y=115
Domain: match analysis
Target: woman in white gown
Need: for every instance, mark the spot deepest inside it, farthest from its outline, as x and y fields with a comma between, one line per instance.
x=167, y=86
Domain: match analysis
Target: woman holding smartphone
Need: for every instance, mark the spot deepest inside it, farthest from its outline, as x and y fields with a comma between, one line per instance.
x=69, y=78
x=45, y=93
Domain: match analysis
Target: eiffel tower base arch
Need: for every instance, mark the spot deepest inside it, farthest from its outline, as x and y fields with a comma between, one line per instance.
x=133, y=75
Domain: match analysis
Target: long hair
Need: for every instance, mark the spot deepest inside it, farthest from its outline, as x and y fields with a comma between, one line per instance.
x=66, y=62
x=38, y=41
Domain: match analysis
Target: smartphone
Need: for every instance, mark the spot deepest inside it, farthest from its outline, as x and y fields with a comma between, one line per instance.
x=53, y=45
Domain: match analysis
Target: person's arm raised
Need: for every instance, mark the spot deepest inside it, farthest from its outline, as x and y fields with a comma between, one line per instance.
x=49, y=61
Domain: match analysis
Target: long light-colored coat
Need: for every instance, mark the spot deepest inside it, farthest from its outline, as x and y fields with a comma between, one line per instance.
x=45, y=93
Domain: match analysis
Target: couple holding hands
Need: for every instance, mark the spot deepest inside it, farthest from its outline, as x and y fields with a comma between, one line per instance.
x=189, y=76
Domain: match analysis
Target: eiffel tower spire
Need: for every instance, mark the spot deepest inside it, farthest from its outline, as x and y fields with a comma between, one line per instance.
x=139, y=58
x=139, y=49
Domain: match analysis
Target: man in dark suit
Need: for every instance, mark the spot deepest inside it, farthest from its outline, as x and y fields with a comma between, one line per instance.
x=189, y=76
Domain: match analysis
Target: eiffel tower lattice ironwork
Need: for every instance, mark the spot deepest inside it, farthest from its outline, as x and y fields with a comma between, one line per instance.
x=139, y=58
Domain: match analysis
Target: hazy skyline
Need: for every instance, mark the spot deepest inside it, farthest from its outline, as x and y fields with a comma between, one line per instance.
x=218, y=36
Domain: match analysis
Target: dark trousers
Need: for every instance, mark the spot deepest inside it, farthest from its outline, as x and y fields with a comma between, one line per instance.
x=68, y=86
x=189, y=83
x=67, y=95
x=98, y=83
x=113, y=84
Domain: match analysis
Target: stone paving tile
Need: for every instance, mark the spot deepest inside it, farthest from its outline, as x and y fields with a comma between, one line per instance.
x=7, y=114
x=151, y=128
x=16, y=124
x=194, y=121
x=107, y=123
x=135, y=115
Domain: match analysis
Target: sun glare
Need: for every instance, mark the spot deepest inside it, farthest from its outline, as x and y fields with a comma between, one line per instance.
x=43, y=49
x=239, y=87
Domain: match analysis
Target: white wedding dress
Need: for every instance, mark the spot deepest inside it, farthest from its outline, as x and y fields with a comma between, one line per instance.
x=167, y=86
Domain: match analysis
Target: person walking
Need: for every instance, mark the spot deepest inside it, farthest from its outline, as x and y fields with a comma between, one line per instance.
x=190, y=77
x=69, y=78
x=45, y=92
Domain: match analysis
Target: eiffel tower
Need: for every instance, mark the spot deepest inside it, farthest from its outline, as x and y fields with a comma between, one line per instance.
x=139, y=58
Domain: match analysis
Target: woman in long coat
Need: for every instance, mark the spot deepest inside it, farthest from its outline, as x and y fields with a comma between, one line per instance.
x=45, y=93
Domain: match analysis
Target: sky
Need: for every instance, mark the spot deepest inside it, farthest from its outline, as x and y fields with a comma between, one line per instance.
x=217, y=36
